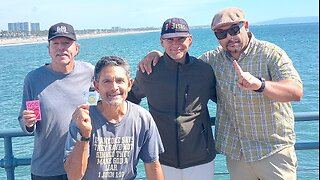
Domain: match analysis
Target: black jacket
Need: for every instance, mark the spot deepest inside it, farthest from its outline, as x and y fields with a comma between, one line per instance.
x=177, y=96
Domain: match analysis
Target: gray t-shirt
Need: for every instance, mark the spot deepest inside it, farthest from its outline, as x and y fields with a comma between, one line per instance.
x=59, y=95
x=115, y=149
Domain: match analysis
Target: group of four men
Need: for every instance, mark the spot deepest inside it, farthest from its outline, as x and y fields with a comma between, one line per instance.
x=251, y=81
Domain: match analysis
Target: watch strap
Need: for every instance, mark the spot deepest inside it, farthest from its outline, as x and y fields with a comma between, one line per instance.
x=82, y=138
x=85, y=138
x=263, y=85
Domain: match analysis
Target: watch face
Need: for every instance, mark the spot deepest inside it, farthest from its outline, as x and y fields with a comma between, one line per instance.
x=79, y=136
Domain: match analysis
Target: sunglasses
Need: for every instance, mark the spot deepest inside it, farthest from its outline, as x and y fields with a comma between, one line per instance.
x=233, y=30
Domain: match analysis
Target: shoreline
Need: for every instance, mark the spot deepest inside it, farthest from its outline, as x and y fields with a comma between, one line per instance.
x=43, y=39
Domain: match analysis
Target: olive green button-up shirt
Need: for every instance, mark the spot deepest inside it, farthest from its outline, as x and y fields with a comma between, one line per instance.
x=248, y=123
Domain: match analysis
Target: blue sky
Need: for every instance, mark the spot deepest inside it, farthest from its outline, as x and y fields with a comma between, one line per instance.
x=101, y=14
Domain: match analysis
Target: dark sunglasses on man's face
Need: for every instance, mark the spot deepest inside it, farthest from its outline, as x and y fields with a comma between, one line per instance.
x=233, y=30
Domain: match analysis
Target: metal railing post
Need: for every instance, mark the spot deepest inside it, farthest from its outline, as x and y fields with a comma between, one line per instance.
x=8, y=160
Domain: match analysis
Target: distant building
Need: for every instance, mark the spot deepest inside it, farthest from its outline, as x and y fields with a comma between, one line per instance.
x=23, y=27
x=35, y=27
x=18, y=27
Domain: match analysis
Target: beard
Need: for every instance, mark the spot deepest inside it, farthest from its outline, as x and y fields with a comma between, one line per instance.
x=234, y=46
x=114, y=101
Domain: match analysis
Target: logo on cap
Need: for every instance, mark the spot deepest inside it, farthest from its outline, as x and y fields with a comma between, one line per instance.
x=178, y=27
x=61, y=29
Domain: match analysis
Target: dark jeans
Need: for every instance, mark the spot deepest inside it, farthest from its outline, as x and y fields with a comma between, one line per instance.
x=60, y=177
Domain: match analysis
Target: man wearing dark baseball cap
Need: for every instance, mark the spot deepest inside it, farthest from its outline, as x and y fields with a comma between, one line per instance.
x=60, y=86
x=178, y=91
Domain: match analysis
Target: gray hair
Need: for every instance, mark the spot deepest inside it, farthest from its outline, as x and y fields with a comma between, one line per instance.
x=113, y=61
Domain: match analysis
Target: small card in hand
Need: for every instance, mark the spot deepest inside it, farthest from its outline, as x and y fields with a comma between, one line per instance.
x=35, y=107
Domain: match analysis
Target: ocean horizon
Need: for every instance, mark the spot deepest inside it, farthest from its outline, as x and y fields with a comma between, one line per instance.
x=300, y=41
x=94, y=33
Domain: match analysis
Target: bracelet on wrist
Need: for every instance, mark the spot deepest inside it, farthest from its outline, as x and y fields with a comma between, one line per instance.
x=263, y=85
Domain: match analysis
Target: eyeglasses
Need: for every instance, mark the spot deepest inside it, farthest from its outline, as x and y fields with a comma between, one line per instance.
x=233, y=30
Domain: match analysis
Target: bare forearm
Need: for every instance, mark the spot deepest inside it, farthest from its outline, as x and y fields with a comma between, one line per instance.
x=76, y=163
x=151, y=59
x=153, y=171
x=283, y=91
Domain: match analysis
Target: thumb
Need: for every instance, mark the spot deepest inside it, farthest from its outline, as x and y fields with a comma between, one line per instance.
x=85, y=106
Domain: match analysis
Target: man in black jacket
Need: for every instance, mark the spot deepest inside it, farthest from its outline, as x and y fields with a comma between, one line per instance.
x=177, y=92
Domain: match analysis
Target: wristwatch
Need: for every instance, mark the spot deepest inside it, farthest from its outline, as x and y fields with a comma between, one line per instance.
x=263, y=85
x=81, y=138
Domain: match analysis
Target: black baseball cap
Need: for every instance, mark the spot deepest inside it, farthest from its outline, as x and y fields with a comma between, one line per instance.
x=61, y=30
x=175, y=27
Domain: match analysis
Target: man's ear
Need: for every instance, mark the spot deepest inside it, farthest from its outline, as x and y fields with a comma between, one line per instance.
x=161, y=41
x=190, y=39
x=130, y=83
x=246, y=26
x=96, y=85
x=77, y=48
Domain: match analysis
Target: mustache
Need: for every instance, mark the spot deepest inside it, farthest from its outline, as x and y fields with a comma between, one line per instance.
x=176, y=49
x=62, y=54
x=232, y=41
x=115, y=93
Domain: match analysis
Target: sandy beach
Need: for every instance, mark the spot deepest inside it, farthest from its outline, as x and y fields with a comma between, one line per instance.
x=32, y=39
x=18, y=41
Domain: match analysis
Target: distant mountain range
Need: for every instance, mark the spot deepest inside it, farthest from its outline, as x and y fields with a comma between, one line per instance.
x=291, y=20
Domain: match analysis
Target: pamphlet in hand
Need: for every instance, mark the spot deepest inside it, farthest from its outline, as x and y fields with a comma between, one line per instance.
x=35, y=107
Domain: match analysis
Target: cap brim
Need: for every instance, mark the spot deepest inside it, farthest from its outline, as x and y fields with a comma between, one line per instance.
x=172, y=35
x=70, y=36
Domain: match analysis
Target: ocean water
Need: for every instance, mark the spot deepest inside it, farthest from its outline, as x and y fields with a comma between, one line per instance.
x=300, y=41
